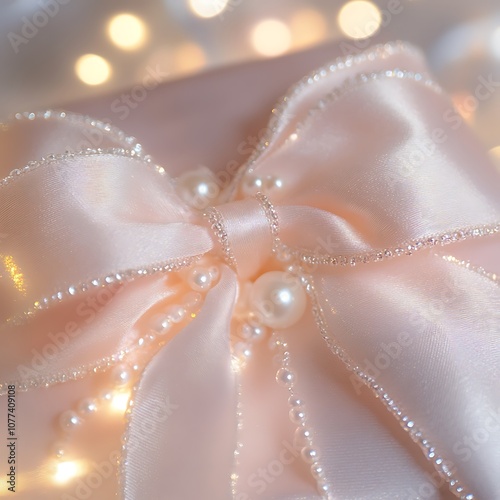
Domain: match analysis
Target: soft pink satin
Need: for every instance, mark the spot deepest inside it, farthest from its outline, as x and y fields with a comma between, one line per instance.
x=351, y=185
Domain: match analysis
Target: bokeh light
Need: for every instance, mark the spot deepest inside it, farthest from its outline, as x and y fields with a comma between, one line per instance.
x=271, y=37
x=495, y=156
x=127, y=31
x=119, y=401
x=207, y=8
x=92, y=69
x=68, y=470
x=466, y=105
x=495, y=43
x=188, y=57
x=359, y=19
x=308, y=26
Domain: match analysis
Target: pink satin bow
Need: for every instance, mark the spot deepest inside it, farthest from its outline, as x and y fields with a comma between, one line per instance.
x=365, y=190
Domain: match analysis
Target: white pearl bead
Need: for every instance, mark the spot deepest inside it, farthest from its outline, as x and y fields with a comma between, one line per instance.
x=242, y=350
x=175, y=313
x=160, y=324
x=278, y=298
x=252, y=332
x=317, y=471
x=106, y=396
x=303, y=437
x=297, y=415
x=295, y=402
x=58, y=450
x=310, y=455
x=199, y=188
x=69, y=420
x=199, y=279
x=252, y=185
x=285, y=377
x=87, y=406
x=323, y=487
x=121, y=375
x=273, y=183
x=192, y=300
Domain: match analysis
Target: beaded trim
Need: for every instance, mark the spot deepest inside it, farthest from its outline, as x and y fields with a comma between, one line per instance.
x=272, y=218
x=281, y=117
x=495, y=278
x=120, y=278
x=395, y=409
x=218, y=226
x=54, y=158
x=108, y=130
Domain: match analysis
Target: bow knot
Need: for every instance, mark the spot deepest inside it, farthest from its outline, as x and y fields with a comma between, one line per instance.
x=245, y=230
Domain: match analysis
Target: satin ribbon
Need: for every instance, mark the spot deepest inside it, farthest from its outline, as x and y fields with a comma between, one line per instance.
x=374, y=180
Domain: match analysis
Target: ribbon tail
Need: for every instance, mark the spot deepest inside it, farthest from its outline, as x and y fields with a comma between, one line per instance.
x=181, y=432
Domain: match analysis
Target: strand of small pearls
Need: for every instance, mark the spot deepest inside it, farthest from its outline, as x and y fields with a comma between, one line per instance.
x=303, y=437
x=280, y=115
x=407, y=424
x=117, y=278
x=125, y=375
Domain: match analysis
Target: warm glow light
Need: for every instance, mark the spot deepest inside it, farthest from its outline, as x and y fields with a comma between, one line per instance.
x=308, y=26
x=188, y=57
x=119, y=401
x=466, y=105
x=66, y=471
x=92, y=69
x=359, y=19
x=14, y=273
x=127, y=31
x=207, y=8
x=495, y=156
x=271, y=37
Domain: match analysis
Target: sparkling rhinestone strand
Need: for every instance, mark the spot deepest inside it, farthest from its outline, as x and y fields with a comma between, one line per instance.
x=280, y=116
x=272, y=218
x=218, y=226
x=239, y=445
x=468, y=265
x=395, y=409
x=108, y=130
x=303, y=436
x=54, y=158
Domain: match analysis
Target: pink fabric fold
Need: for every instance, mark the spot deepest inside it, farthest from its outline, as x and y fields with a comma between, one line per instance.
x=184, y=411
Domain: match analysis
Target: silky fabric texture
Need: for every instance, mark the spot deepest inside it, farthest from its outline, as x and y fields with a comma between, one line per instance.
x=352, y=184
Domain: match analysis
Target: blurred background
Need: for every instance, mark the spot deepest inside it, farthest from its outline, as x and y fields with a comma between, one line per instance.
x=56, y=51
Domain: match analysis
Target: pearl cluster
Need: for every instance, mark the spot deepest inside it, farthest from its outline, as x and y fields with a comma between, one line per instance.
x=407, y=424
x=303, y=437
x=253, y=184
